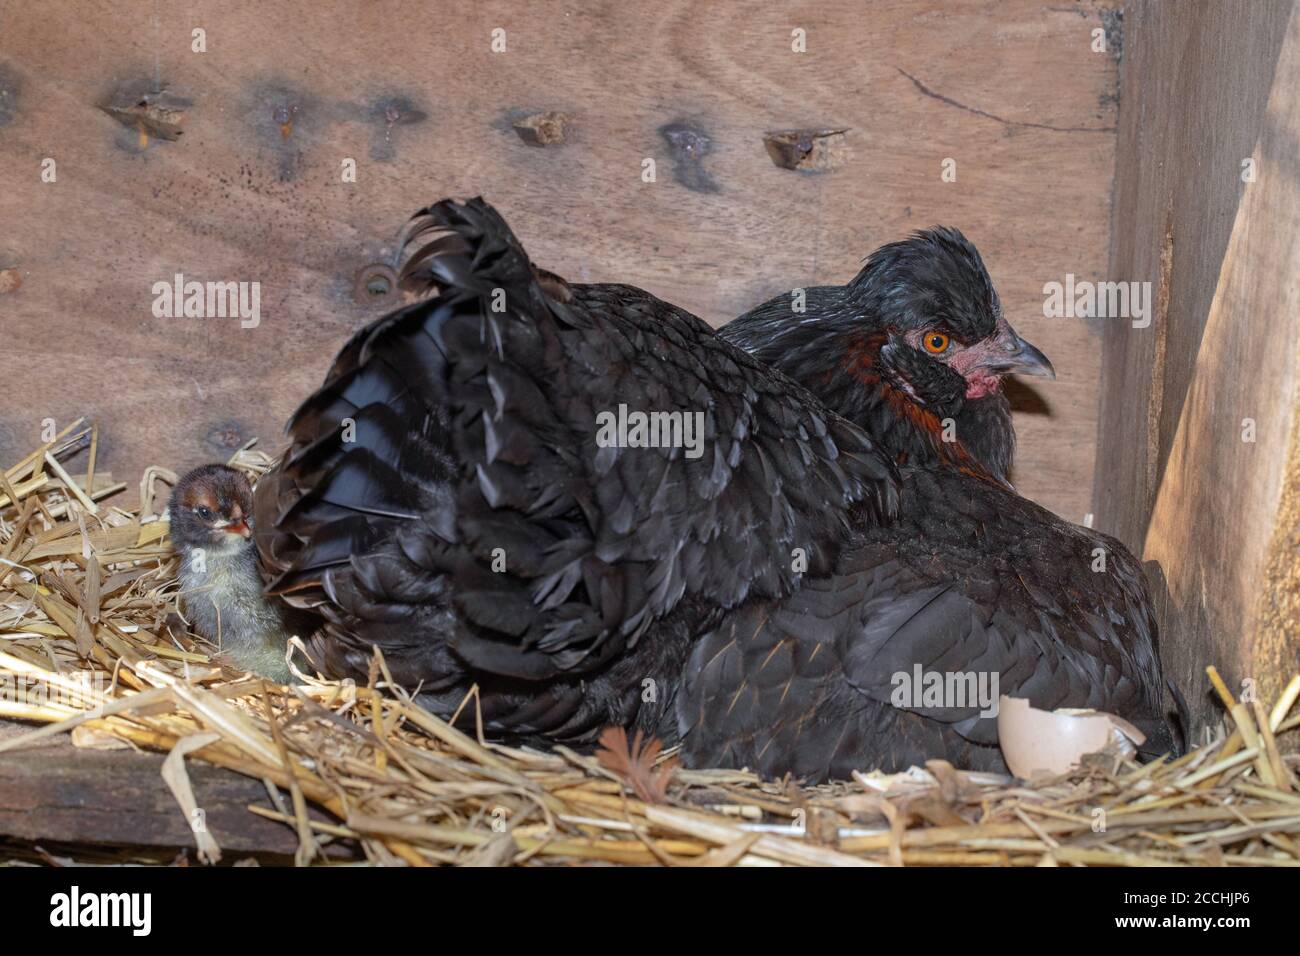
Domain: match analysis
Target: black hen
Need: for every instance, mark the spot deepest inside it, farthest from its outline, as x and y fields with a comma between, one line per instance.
x=919, y=327
x=446, y=499
x=972, y=580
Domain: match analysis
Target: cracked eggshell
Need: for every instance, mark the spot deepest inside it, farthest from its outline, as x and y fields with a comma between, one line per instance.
x=1040, y=743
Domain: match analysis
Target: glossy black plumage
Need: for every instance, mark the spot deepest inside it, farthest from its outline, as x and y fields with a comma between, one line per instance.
x=972, y=578
x=646, y=589
x=444, y=498
x=832, y=345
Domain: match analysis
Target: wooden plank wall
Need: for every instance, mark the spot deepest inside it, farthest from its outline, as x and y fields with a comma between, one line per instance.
x=250, y=189
x=1206, y=86
x=54, y=792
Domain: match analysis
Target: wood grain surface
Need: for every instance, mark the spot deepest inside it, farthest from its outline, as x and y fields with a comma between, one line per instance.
x=1207, y=86
x=231, y=171
x=54, y=793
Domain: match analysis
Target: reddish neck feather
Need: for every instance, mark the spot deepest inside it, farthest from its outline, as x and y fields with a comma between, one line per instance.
x=860, y=361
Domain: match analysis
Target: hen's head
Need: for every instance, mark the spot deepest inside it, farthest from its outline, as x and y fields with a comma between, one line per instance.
x=211, y=508
x=941, y=333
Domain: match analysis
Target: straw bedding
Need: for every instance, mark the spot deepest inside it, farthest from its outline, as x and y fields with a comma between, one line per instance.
x=88, y=615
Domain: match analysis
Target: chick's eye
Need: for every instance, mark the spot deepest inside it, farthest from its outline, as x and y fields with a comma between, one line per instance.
x=935, y=342
x=204, y=513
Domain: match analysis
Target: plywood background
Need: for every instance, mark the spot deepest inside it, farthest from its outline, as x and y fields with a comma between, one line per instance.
x=1206, y=86
x=1011, y=90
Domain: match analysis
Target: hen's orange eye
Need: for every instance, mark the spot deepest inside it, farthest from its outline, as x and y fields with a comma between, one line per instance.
x=936, y=342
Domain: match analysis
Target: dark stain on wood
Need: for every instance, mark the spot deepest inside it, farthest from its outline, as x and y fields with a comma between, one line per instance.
x=10, y=89
x=689, y=144
x=287, y=121
x=226, y=436
x=1112, y=21
x=387, y=114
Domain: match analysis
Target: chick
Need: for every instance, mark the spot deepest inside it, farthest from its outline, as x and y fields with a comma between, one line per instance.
x=221, y=588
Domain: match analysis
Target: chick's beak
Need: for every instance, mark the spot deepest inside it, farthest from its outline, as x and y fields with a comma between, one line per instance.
x=1009, y=353
x=240, y=528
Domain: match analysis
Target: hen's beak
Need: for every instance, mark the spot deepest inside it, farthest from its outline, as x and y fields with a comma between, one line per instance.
x=1009, y=353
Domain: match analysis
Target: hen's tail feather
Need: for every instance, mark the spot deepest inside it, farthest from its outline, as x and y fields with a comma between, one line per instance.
x=371, y=448
x=369, y=452
x=475, y=251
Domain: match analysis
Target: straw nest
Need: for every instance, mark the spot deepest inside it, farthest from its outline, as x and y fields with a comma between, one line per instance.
x=88, y=589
